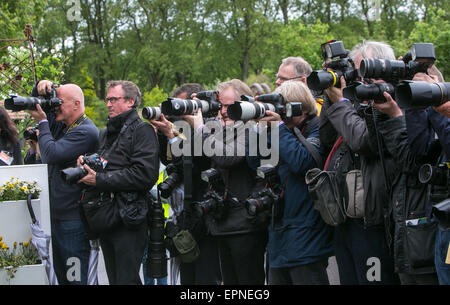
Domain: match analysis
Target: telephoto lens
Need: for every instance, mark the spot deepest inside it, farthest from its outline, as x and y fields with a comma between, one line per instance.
x=359, y=92
x=248, y=111
x=156, y=251
x=151, y=113
x=19, y=103
x=419, y=95
x=383, y=69
x=319, y=80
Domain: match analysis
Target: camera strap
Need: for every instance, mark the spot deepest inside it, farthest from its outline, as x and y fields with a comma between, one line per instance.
x=77, y=122
x=310, y=148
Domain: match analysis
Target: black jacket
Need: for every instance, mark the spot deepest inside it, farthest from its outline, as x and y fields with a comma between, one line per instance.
x=133, y=164
x=240, y=182
x=413, y=242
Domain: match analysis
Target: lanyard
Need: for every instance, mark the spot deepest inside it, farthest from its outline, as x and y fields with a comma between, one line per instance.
x=77, y=122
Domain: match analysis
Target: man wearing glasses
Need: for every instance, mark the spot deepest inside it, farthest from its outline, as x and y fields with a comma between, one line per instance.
x=129, y=150
x=298, y=69
x=63, y=135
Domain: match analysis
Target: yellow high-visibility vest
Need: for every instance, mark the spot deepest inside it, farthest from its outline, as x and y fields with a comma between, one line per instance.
x=166, y=206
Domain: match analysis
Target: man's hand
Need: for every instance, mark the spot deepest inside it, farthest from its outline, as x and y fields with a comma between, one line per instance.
x=38, y=114
x=271, y=116
x=444, y=109
x=423, y=77
x=89, y=179
x=195, y=120
x=164, y=126
x=44, y=87
x=335, y=94
x=389, y=107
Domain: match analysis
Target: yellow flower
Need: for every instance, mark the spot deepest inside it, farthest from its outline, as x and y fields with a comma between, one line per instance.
x=15, y=245
x=26, y=244
x=4, y=246
x=23, y=188
x=1, y=238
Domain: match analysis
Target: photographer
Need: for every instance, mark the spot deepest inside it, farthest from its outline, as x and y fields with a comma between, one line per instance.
x=9, y=141
x=242, y=239
x=297, y=69
x=344, y=130
x=415, y=130
x=33, y=155
x=300, y=243
x=63, y=135
x=205, y=270
x=129, y=152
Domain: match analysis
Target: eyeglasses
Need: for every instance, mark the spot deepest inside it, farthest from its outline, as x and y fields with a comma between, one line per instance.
x=286, y=79
x=112, y=99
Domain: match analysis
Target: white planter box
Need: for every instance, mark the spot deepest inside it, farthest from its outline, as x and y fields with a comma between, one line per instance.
x=15, y=220
x=25, y=275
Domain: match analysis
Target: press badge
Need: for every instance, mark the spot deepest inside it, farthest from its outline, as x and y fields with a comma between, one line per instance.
x=6, y=158
x=104, y=162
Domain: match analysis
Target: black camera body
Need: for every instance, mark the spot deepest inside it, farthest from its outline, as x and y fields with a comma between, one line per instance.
x=343, y=66
x=275, y=102
x=30, y=134
x=268, y=198
x=48, y=103
x=72, y=174
x=214, y=203
x=174, y=177
x=439, y=177
x=418, y=59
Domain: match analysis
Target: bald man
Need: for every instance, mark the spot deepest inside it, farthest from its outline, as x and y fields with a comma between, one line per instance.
x=65, y=134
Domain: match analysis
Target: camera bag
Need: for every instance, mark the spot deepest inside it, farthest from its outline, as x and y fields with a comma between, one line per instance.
x=338, y=193
x=186, y=245
x=104, y=213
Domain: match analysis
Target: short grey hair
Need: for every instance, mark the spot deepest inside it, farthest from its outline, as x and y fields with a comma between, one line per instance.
x=239, y=87
x=301, y=67
x=379, y=50
x=130, y=89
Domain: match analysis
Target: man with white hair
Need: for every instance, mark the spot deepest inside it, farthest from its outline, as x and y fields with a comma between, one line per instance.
x=65, y=134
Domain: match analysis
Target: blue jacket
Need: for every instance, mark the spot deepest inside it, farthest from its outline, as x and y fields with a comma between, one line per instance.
x=300, y=237
x=421, y=125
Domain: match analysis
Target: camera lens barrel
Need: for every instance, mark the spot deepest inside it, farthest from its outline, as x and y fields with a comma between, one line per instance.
x=363, y=92
x=319, y=80
x=151, y=113
x=72, y=174
x=383, y=69
x=248, y=111
x=412, y=94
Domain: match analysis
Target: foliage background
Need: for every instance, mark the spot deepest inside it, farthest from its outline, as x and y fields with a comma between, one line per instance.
x=162, y=44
